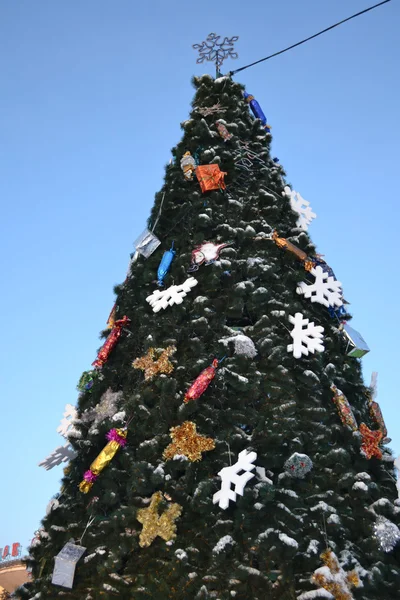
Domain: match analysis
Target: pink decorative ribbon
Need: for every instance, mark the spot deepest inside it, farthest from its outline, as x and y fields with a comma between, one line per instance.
x=113, y=436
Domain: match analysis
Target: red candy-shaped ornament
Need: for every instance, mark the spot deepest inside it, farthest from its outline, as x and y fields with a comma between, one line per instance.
x=344, y=409
x=110, y=342
x=201, y=383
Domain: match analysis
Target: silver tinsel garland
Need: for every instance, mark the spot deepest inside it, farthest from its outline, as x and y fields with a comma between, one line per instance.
x=105, y=409
x=387, y=533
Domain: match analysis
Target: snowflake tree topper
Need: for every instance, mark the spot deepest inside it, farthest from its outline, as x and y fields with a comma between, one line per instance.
x=230, y=475
x=173, y=295
x=301, y=207
x=307, y=337
x=214, y=50
x=326, y=289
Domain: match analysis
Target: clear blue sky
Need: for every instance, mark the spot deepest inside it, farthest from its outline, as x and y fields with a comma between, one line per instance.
x=92, y=96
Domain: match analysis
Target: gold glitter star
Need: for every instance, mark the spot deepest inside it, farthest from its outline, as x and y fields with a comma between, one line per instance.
x=186, y=441
x=337, y=582
x=151, y=367
x=155, y=525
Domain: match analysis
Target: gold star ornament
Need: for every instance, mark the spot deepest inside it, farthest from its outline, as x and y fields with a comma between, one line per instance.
x=334, y=579
x=153, y=366
x=186, y=441
x=155, y=525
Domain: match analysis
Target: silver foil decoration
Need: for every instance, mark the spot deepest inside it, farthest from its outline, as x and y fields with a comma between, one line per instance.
x=146, y=243
x=65, y=563
x=387, y=533
x=358, y=346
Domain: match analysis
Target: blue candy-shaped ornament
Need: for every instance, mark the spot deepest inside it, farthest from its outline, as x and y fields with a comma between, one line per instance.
x=319, y=262
x=165, y=265
x=257, y=110
x=337, y=312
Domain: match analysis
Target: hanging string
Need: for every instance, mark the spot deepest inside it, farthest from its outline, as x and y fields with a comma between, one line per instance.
x=179, y=220
x=130, y=420
x=88, y=524
x=309, y=38
x=229, y=450
x=159, y=212
x=325, y=532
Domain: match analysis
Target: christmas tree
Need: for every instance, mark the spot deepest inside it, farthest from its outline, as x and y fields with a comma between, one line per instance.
x=224, y=444
x=4, y=595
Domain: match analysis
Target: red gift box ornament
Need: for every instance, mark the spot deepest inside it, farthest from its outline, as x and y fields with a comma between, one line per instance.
x=201, y=383
x=210, y=177
x=110, y=342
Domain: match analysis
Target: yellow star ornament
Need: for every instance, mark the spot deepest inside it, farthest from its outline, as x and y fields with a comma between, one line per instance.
x=155, y=525
x=186, y=441
x=152, y=366
x=334, y=579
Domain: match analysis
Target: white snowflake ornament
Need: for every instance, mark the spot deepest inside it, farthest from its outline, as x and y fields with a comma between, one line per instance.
x=230, y=475
x=173, y=295
x=326, y=289
x=307, y=337
x=58, y=456
x=66, y=428
x=397, y=466
x=66, y=425
x=301, y=207
x=52, y=505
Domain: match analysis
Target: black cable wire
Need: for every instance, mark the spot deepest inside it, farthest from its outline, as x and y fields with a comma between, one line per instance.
x=309, y=38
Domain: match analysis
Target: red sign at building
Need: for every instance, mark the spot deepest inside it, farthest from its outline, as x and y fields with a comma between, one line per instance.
x=5, y=553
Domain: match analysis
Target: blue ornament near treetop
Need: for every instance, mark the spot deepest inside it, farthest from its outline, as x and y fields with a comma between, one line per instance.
x=257, y=110
x=338, y=312
x=165, y=265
